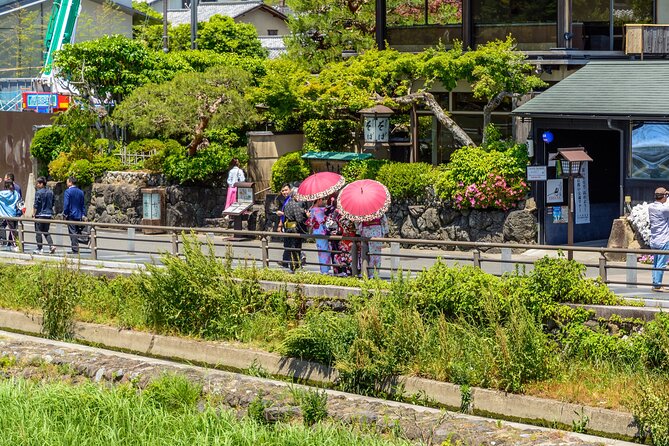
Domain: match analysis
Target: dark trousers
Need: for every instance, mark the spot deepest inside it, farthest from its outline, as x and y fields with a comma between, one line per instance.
x=9, y=239
x=42, y=229
x=292, y=250
x=75, y=233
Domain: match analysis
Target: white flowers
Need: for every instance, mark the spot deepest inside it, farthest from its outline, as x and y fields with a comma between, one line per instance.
x=640, y=221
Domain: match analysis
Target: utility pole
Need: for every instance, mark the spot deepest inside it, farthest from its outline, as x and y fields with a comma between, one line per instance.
x=165, y=38
x=193, y=24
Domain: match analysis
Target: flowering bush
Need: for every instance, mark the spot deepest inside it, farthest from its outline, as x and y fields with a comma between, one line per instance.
x=640, y=221
x=493, y=192
x=647, y=259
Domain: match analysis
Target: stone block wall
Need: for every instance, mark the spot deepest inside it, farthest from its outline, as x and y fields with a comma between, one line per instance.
x=117, y=198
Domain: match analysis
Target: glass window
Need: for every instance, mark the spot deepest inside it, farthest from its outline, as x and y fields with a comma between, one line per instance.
x=413, y=12
x=650, y=150
x=632, y=11
x=590, y=24
x=531, y=22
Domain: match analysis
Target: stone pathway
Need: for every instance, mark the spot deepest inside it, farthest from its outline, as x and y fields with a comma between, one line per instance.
x=420, y=424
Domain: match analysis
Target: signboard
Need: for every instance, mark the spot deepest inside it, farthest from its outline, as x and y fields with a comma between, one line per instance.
x=244, y=201
x=560, y=214
x=582, y=197
x=554, y=191
x=151, y=206
x=536, y=173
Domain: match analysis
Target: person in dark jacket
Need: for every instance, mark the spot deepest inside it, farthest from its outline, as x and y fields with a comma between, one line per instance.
x=43, y=209
x=73, y=210
x=295, y=216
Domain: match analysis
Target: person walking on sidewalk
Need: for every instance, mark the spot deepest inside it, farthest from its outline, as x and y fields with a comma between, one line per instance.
x=43, y=209
x=658, y=215
x=73, y=210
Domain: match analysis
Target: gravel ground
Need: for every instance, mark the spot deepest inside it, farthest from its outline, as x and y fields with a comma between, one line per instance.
x=236, y=391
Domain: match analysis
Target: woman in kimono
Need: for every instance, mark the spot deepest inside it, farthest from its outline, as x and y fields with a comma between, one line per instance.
x=317, y=217
x=376, y=228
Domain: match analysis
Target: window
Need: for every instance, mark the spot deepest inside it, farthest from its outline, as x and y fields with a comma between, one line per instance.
x=272, y=32
x=650, y=150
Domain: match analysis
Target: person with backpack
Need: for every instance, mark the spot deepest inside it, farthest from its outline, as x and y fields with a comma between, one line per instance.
x=43, y=210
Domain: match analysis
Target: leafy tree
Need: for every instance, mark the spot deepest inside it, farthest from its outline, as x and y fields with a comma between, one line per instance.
x=201, y=60
x=186, y=106
x=497, y=71
x=220, y=34
x=146, y=9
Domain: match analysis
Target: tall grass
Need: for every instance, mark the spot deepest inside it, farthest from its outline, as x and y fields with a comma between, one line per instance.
x=57, y=414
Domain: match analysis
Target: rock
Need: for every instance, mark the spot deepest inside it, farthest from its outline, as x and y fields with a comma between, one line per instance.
x=416, y=211
x=622, y=235
x=429, y=221
x=408, y=229
x=520, y=227
x=280, y=414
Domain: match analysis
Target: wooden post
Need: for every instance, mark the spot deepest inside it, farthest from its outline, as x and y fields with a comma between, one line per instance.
x=570, y=223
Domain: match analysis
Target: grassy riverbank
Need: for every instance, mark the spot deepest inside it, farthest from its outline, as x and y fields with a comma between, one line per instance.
x=456, y=324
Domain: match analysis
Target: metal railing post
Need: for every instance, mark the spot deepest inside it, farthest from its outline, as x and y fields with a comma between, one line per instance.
x=175, y=243
x=476, y=258
x=507, y=260
x=264, y=247
x=602, y=268
x=631, y=272
x=131, y=240
x=364, y=255
x=22, y=236
x=355, y=258
x=94, y=243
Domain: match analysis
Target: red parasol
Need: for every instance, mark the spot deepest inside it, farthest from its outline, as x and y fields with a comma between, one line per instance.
x=363, y=200
x=319, y=185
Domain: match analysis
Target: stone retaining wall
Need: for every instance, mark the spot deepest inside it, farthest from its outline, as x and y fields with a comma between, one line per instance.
x=117, y=198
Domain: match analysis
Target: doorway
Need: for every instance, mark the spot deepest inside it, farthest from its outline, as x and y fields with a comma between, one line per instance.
x=603, y=185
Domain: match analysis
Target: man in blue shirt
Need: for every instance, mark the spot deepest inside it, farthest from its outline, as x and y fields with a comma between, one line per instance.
x=73, y=209
x=658, y=215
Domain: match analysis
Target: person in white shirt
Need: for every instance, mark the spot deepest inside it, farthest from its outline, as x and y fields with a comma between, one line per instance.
x=235, y=175
x=658, y=215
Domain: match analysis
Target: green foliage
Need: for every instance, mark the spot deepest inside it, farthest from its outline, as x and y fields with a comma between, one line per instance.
x=105, y=163
x=362, y=169
x=220, y=35
x=657, y=341
x=186, y=106
x=313, y=404
x=173, y=393
x=406, y=180
x=146, y=146
x=196, y=295
x=78, y=123
x=290, y=167
x=651, y=412
x=256, y=409
x=146, y=9
x=82, y=170
x=597, y=346
x=328, y=135
x=322, y=337
x=59, y=293
x=47, y=143
x=109, y=68
x=209, y=165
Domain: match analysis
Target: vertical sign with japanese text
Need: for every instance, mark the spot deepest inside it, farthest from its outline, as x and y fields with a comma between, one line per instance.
x=582, y=198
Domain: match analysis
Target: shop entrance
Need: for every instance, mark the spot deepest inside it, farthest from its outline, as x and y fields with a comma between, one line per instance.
x=603, y=186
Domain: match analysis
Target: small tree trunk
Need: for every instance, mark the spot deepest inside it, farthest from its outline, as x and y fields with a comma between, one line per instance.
x=490, y=107
x=205, y=116
x=428, y=99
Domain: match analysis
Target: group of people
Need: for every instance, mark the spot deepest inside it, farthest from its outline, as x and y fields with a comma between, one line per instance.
x=321, y=218
x=12, y=205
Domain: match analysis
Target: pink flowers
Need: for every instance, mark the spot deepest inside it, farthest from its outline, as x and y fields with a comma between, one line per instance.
x=494, y=192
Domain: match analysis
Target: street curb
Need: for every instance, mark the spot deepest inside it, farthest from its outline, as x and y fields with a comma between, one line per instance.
x=483, y=401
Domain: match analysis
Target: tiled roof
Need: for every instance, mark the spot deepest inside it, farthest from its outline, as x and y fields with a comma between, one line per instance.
x=611, y=88
x=206, y=10
x=274, y=44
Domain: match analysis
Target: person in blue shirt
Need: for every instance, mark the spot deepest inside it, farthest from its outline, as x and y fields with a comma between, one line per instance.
x=73, y=210
x=8, y=202
x=12, y=224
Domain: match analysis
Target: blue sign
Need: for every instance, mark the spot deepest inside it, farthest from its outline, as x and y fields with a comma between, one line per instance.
x=548, y=137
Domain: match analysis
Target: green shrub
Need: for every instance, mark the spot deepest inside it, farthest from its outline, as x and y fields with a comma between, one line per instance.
x=362, y=170
x=105, y=163
x=58, y=295
x=290, y=167
x=313, y=404
x=256, y=409
x=484, y=177
x=656, y=334
x=209, y=165
x=48, y=143
x=555, y=278
x=651, y=412
x=454, y=291
x=145, y=146
x=173, y=393
x=59, y=168
x=580, y=342
x=322, y=337
x=406, y=180
x=83, y=171
x=322, y=135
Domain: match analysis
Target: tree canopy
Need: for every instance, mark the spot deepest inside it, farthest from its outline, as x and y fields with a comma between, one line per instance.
x=220, y=34
x=186, y=106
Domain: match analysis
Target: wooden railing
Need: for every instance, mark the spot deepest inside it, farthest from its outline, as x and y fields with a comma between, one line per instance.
x=646, y=39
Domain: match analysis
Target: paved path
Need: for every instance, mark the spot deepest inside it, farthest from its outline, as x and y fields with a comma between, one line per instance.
x=235, y=392
x=135, y=247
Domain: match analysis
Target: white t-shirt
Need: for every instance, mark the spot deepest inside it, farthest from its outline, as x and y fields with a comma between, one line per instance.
x=235, y=176
x=658, y=214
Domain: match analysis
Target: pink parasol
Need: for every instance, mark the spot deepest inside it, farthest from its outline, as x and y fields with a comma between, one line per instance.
x=319, y=185
x=363, y=200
